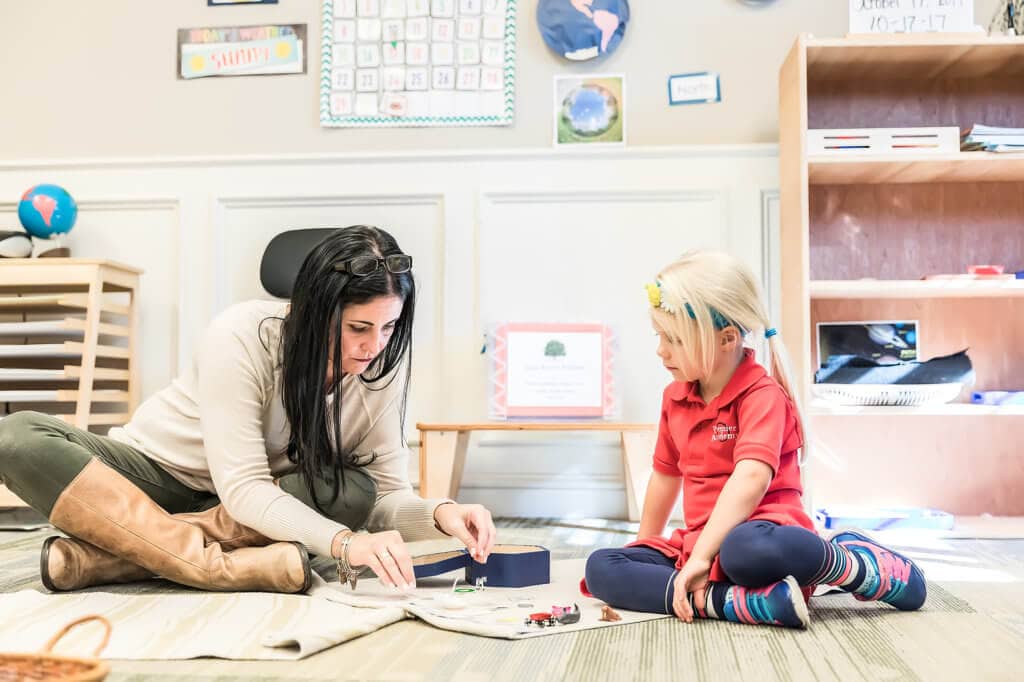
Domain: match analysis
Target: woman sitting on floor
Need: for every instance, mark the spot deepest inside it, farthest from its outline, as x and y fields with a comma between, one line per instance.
x=284, y=435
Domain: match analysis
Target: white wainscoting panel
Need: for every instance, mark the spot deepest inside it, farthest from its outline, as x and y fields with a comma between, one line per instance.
x=496, y=235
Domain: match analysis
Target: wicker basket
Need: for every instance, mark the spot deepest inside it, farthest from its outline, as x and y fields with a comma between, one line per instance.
x=887, y=394
x=46, y=666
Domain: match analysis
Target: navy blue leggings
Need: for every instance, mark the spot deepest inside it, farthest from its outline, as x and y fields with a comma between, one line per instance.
x=754, y=554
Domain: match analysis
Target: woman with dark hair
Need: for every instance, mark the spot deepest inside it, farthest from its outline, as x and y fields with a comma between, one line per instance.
x=284, y=435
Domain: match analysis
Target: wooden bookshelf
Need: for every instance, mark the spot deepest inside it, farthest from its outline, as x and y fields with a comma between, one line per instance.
x=860, y=232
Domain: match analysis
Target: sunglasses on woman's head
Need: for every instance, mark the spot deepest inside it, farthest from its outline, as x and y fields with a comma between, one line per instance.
x=360, y=266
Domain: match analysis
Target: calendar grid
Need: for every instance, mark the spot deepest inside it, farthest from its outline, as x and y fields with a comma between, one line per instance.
x=417, y=63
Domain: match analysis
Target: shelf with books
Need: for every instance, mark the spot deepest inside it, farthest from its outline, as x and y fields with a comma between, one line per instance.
x=857, y=234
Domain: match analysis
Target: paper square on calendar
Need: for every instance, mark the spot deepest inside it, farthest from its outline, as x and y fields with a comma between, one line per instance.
x=492, y=53
x=394, y=53
x=417, y=8
x=468, y=53
x=392, y=30
x=491, y=78
x=442, y=8
x=442, y=30
x=343, y=79
x=368, y=29
x=344, y=31
x=417, y=78
x=468, y=28
x=416, y=29
x=392, y=9
x=367, y=80
x=442, y=54
x=368, y=8
x=493, y=27
x=468, y=78
x=394, y=78
x=345, y=9
x=442, y=78
x=393, y=104
x=343, y=54
x=470, y=6
x=367, y=55
x=417, y=54
x=342, y=103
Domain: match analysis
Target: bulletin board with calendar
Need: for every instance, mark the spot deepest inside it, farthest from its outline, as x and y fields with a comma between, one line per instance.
x=398, y=63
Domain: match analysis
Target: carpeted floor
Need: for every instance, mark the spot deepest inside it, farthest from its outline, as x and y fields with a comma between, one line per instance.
x=972, y=628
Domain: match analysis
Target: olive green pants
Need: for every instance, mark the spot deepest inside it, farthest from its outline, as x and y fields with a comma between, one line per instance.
x=40, y=455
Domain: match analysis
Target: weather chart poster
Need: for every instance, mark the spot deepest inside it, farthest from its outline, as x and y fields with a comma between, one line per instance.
x=241, y=51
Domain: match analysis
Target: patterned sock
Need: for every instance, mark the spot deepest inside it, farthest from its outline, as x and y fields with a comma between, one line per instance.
x=882, y=574
x=841, y=567
x=780, y=603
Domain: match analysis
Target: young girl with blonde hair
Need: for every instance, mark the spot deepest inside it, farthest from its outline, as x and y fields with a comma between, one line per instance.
x=730, y=439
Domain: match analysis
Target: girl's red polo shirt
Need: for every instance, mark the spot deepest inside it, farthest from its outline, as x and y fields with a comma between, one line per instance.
x=701, y=443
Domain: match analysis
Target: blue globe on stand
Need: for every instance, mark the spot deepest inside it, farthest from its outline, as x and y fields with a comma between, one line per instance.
x=46, y=211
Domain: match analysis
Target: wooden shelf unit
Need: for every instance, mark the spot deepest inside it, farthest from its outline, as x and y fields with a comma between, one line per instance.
x=67, y=338
x=859, y=233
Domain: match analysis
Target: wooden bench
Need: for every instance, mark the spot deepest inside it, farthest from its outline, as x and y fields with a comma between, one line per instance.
x=443, y=454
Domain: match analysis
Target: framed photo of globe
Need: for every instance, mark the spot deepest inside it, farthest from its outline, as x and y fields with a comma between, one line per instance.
x=552, y=370
x=590, y=109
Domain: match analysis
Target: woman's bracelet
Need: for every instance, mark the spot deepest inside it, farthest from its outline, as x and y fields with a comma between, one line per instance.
x=347, y=573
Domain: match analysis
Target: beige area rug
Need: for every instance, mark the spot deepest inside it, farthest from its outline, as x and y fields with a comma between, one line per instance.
x=263, y=626
x=187, y=624
x=489, y=612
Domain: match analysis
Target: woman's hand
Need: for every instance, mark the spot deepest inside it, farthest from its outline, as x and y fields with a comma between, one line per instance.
x=470, y=523
x=693, y=578
x=386, y=554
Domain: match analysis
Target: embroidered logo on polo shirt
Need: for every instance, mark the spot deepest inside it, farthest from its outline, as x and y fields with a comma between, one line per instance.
x=722, y=431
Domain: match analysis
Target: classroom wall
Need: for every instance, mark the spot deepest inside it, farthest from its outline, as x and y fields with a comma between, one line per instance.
x=98, y=79
x=190, y=180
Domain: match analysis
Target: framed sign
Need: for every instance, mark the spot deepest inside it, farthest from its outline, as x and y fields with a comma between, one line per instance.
x=397, y=63
x=241, y=51
x=911, y=16
x=552, y=370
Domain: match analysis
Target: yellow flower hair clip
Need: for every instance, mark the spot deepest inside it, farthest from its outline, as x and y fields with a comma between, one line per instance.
x=653, y=294
x=656, y=298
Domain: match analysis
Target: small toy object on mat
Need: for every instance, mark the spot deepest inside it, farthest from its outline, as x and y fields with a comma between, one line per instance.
x=541, y=620
x=609, y=615
x=566, y=615
x=46, y=666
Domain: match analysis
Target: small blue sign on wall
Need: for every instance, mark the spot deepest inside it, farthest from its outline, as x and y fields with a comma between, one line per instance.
x=694, y=88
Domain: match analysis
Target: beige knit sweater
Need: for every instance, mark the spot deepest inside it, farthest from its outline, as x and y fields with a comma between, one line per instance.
x=221, y=427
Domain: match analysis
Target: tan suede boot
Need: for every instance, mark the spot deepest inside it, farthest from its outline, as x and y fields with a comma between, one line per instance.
x=103, y=509
x=73, y=564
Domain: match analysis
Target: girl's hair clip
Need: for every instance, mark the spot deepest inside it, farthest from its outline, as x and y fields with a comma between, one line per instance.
x=657, y=298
